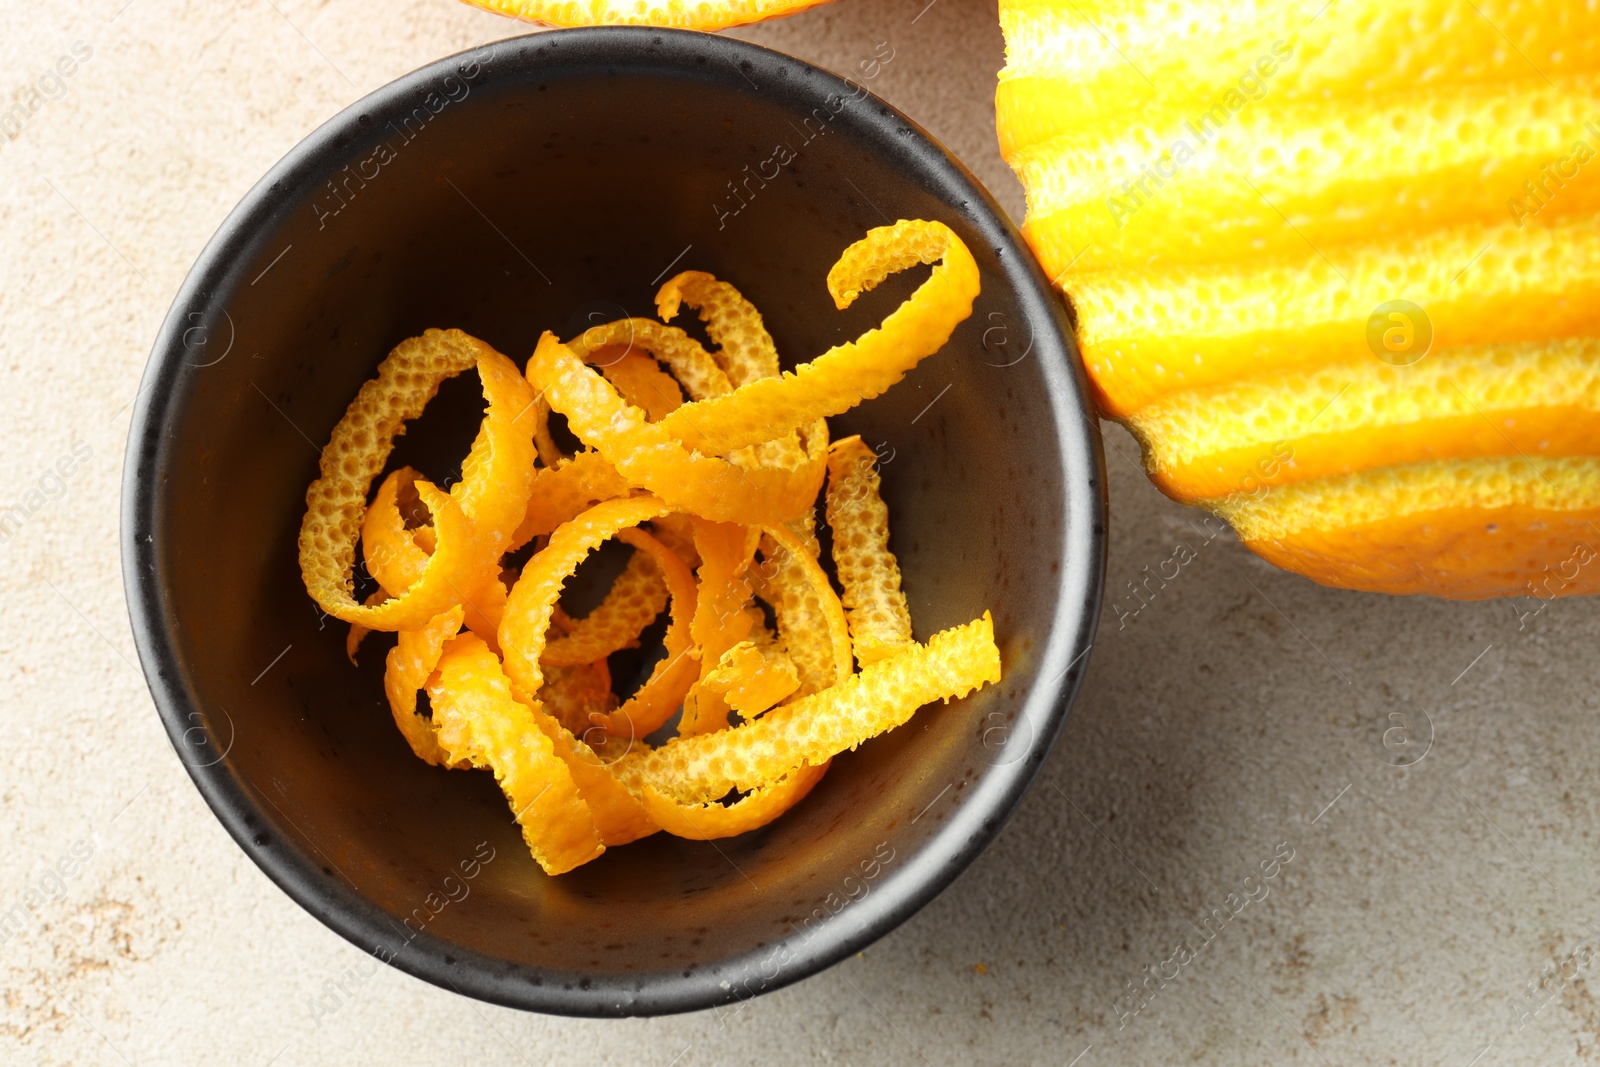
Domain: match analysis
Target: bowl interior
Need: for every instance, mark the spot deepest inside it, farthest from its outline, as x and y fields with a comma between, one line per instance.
x=551, y=182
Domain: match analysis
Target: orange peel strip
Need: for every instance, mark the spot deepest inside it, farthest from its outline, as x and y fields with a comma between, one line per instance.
x=751, y=681
x=358, y=633
x=719, y=618
x=533, y=599
x=786, y=584
x=392, y=554
x=847, y=374
x=497, y=475
x=411, y=661
x=745, y=350
x=619, y=816
x=488, y=502
x=676, y=531
x=687, y=358
x=669, y=682
x=869, y=574
x=397, y=561
x=634, y=600
x=479, y=720
x=641, y=381
x=822, y=600
x=549, y=452
x=646, y=455
x=816, y=728
x=708, y=822
x=570, y=694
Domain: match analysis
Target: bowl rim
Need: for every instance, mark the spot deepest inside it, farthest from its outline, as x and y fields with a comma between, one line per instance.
x=969, y=828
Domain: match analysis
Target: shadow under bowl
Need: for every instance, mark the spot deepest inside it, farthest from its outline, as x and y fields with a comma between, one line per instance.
x=552, y=182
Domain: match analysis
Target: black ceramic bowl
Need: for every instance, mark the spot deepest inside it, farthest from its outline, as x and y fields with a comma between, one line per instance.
x=550, y=182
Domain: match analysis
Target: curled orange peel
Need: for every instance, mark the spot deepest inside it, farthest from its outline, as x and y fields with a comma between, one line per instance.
x=719, y=618
x=822, y=601
x=560, y=492
x=708, y=822
x=672, y=676
x=799, y=607
x=642, y=383
x=391, y=552
x=745, y=350
x=869, y=574
x=473, y=524
x=479, y=721
x=750, y=681
x=816, y=728
x=847, y=374
x=689, y=361
x=646, y=455
x=634, y=600
x=411, y=662
x=532, y=603
x=619, y=816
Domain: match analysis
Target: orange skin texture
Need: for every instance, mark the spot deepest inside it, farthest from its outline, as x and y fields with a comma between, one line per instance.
x=1232, y=196
x=1538, y=553
x=693, y=15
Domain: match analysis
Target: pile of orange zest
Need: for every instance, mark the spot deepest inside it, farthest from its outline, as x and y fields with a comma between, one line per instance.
x=816, y=728
x=708, y=464
x=479, y=721
x=473, y=524
x=876, y=608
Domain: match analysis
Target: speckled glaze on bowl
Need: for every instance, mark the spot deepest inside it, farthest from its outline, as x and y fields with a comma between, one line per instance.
x=552, y=181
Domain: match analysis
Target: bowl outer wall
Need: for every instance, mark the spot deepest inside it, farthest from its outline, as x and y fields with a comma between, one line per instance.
x=318, y=818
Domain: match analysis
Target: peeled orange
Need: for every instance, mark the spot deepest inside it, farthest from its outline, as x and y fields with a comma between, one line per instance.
x=681, y=14
x=1337, y=266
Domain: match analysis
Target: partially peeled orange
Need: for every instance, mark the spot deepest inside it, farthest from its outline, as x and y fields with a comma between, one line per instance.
x=1337, y=266
x=679, y=14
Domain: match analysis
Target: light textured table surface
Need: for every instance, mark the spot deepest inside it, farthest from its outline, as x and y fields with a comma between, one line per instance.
x=1240, y=712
